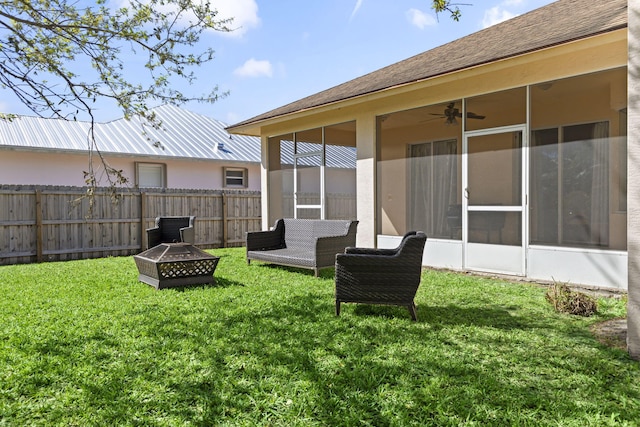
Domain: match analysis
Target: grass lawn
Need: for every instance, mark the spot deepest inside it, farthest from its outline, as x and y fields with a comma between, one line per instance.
x=83, y=343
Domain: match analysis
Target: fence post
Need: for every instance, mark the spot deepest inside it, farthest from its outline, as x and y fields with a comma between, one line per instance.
x=143, y=216
x=39, y=243
x=224, y=219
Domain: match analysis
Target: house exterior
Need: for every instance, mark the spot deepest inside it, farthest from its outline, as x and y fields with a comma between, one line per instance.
x=507, y=147
x=516, y=149
x=190, y=151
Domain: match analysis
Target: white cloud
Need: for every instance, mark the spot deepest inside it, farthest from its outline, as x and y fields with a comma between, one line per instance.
x=254, y=68
x=244, y=14
x=419, y=18
x=356, y=8
x=495, y=15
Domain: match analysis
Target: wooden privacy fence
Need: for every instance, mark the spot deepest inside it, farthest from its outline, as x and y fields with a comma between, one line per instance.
x=52, y=223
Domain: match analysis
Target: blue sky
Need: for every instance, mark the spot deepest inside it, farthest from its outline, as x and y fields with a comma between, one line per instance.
x=284, y=50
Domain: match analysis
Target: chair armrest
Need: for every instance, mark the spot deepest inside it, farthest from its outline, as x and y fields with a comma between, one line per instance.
x=328, y=246
x=267, y=240
x=153, y=237
x=373, y=261
x=263, y=240
x=188, y=234
x=370, y=251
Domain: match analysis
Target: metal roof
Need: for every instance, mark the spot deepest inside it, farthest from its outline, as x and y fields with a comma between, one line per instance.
x=184, y=135
x=337, y=156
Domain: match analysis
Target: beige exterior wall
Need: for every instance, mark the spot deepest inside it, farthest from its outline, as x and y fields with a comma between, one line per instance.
x=633, y=199
x=366, y=181
x=65, y=169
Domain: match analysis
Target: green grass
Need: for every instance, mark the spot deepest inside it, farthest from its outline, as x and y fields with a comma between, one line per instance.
x=83, y=343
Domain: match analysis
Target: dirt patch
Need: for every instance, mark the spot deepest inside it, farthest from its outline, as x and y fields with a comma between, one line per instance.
x=612, y=333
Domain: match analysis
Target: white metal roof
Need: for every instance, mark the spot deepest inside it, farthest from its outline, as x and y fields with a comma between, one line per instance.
x=184, y=134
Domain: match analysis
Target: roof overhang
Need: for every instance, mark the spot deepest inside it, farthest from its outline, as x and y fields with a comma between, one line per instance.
x=531, y=67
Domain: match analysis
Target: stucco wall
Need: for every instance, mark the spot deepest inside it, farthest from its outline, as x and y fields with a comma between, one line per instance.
x=633, y=198
x=40, y=168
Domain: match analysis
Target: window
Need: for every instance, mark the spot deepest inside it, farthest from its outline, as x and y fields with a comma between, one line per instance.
x=151, y=175
x=432, y=200
x=570, y=185
x=235, y=177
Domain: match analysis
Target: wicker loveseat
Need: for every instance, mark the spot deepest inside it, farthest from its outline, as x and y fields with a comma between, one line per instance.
x=171, y=229
x=381, y=276
x=305, y=243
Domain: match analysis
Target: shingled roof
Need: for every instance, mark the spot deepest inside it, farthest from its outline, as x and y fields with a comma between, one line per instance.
x=557, y=23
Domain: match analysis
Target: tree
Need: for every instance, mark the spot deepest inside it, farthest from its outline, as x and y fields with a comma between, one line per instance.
x=447, y=6
x=59, y=57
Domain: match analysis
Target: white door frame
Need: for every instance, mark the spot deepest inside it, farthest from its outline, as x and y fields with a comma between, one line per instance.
x=508, y=259
x=296, y=205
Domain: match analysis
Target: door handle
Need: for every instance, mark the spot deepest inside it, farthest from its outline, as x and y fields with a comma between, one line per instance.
x=466, y=193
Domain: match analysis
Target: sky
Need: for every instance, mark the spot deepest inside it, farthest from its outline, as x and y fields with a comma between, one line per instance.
x=285, y=50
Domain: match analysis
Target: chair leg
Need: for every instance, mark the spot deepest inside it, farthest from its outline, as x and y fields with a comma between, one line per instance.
x=412, y=311
x=337, y=307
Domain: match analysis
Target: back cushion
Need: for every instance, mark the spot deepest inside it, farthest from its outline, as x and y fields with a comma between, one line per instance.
x=301, y=233
x=170, y=228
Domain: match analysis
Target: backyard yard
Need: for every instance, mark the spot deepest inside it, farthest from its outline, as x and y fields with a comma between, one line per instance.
x=84, y=343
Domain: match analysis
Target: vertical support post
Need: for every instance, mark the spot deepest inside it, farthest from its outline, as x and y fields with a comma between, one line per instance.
x=265, y=185
x=143, y=220
x=367, y=134
x=633, y=180
x=224, y=220
x=39, y=232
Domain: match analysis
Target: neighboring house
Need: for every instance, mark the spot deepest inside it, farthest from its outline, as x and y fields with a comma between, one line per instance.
x=508, y=147
x=191, y=151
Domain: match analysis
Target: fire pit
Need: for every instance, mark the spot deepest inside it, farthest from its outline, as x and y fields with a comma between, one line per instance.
x=175, y=264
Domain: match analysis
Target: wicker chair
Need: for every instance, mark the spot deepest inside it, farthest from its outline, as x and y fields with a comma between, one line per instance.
x=381, y=276
x=171, y=229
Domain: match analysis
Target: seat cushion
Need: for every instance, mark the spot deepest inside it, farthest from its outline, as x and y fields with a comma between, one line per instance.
x=301, y=233
x=286, y=256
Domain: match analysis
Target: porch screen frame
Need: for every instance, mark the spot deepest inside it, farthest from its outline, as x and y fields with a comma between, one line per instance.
x=599, y=210
x=309, y=154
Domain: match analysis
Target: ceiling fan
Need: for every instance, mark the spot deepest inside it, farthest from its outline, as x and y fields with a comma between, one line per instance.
x=450, y=113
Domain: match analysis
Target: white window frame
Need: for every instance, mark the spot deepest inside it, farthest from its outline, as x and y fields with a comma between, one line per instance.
x=144, y=170
x=244, y=179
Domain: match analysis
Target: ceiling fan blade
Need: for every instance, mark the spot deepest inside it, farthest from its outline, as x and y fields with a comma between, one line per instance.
x=471, y=115
x=431, y=119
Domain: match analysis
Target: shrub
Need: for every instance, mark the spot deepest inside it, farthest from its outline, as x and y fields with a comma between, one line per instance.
x=565, y=300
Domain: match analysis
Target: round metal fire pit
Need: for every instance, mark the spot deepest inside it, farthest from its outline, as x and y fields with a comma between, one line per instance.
x=175, y=264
